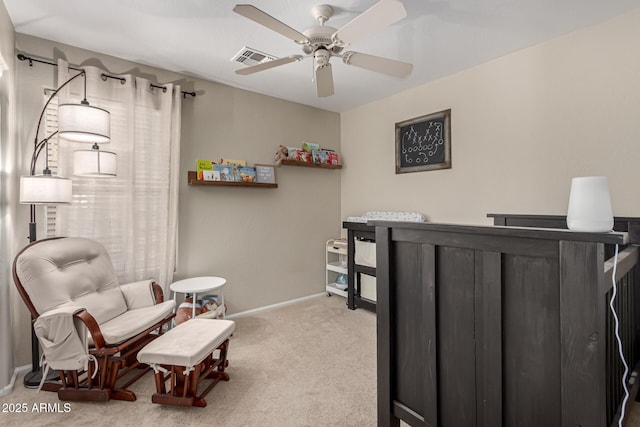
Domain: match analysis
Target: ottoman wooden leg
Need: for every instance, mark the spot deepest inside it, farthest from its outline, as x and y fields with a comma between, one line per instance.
x=160, y=387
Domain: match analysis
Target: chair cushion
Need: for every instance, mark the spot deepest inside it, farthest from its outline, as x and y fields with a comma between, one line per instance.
x=188, y=343
x=102, y=305
x=138, y=294
x=133, y=322
x=71, y=271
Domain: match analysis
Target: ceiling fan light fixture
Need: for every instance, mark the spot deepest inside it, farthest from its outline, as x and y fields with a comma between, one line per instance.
x=321, y=57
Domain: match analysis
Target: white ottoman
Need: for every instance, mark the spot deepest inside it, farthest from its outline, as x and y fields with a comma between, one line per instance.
x=185, y=354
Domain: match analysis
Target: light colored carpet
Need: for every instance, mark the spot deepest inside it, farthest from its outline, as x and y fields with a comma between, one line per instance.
x=308, y=364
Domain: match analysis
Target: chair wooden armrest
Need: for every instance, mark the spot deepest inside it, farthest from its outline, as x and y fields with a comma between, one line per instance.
x=157, y=292
x=92, y=326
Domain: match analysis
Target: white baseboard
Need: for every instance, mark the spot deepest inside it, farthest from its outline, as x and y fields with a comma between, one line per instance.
x=272, y=306
x=9, y=387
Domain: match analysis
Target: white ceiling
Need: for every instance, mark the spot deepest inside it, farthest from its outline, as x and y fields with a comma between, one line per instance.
x=199, y=37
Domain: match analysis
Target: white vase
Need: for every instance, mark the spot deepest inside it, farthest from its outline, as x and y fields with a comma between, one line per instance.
x=590, y=205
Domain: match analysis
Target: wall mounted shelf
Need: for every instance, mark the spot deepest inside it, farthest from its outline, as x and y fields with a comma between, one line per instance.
x=193, y=180
x=310, y=165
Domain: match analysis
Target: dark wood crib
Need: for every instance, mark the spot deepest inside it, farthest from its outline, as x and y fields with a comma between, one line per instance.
x=503, y=326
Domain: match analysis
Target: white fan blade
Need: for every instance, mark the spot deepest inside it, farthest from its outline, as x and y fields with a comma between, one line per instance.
x=268, y=64
x=324, y=81
x=262, y=18
x=377, y=17
x=378, y=64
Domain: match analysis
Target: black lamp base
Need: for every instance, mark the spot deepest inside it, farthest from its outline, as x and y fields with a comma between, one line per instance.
x=32, y=378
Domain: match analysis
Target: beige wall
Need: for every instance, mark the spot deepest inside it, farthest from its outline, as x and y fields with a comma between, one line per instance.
x=522, y=126
x=268, y=243
x=7, y=193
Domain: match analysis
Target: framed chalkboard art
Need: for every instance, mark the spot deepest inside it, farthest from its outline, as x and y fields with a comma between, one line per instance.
x=424, y=143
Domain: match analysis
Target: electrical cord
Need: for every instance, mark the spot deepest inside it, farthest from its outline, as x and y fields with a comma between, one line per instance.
x=620, y=351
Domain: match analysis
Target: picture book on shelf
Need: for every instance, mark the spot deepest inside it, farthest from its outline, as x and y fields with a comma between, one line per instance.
x=226, y=161
x=293, y=152
x=211, y=176
x=310, y=146
x=204, y=165
x=235, y=163
x=227, y=172
x=265, y=174
x=333, y=157
x=300, y=156
x=247, y=173
x=320, y=156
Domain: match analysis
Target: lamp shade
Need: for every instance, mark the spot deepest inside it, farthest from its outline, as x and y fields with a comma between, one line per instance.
x=94, y=163
x=590, y=205
x=84, y=123
x=44, y=190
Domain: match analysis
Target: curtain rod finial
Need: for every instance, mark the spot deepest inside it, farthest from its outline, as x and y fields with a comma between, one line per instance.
x=23, y=57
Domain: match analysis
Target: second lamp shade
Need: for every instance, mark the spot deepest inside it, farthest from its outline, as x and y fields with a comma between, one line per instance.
x=94, y=163
x=84, y=123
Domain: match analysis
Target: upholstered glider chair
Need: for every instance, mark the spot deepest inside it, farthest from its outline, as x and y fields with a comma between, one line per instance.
x=89, y=326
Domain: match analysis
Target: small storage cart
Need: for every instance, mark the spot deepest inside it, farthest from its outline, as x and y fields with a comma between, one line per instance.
x=336, y=265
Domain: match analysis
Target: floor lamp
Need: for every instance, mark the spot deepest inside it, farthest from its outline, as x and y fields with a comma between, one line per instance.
x=76, y=122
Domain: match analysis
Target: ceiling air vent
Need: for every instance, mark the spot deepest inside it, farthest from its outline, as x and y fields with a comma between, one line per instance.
x=250, y=56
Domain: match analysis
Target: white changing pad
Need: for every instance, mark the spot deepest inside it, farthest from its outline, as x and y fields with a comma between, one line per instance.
x=388, y=216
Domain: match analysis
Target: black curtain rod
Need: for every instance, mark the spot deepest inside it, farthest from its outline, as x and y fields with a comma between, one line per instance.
x=31, y=60
x=103, y=76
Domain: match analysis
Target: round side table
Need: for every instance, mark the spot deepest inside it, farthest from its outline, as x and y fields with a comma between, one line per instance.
x=197, y=285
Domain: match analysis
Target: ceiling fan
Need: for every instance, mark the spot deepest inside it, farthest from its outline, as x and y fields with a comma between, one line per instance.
x=323, y=42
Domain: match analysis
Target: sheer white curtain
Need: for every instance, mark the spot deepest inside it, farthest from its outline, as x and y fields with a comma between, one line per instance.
x=8, y=236
x=134, y=214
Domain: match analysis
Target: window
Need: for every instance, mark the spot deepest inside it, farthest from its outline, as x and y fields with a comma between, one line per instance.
x=134, y=215
x=50, y=122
